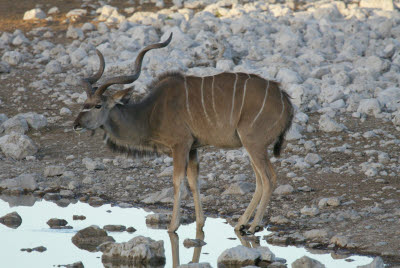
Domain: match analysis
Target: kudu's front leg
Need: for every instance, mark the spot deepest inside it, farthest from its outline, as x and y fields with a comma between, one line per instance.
x=180, y=155
x=193, y=175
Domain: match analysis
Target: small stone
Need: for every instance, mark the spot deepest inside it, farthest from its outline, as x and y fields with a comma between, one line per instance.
x=53, y=10
x=34, y=14
x=12, y=220
x=340, y=241
x=17, y=146
x=188, y=243
x=114, y=228
x=91, y=237
x=312, y=159
x=65, y=111
x=55, y=223
x=92, y=164
x=139, y=251
x=51, y=171
x=239, y=188
x=316, y=234
x=53, y=67
x=78, y=217
x=308, y=262
x=130, y=229
x=284, y=189
x=309, y=211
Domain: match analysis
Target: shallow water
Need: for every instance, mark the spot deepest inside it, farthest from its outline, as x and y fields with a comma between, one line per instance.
x=34, y=232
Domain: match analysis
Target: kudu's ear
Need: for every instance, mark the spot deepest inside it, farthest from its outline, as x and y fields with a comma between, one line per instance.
x=122, y=96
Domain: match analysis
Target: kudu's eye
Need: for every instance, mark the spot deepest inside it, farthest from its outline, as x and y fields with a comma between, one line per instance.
x=98, y=106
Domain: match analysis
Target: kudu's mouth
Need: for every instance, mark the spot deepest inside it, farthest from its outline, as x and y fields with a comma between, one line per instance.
x=78, y=128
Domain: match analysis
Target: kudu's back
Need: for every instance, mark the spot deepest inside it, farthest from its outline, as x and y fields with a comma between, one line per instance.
x=217, y=110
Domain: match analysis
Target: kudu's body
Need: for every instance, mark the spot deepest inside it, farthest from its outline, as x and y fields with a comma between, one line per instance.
x=183, y=113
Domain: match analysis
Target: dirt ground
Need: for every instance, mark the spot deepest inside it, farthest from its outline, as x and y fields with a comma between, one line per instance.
x=376, y=232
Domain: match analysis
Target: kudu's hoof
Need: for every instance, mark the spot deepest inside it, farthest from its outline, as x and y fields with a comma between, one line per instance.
x=242, y=227
x=258, y=228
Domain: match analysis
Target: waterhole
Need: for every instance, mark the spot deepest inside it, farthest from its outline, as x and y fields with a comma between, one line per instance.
x=34, y=232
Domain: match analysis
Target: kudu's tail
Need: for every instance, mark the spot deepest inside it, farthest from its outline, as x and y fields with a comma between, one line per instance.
x=289, y=118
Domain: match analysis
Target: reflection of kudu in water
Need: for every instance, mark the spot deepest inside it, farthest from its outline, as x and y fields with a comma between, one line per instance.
x=175, y=248
x=183, y=113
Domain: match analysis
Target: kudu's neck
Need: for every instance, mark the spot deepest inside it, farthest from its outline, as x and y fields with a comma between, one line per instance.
x=127, y=124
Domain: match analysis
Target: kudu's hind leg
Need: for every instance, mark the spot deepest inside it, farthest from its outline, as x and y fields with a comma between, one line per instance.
x=180, y=159
x=268, y=179
x=244, y=219
x=193, y=175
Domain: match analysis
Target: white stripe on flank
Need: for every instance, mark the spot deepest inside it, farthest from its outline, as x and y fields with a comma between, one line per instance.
x=187, y=99
x=233, y=96
x=244, y=94
x=262, y=107
x=213, y=100
x=202, y=100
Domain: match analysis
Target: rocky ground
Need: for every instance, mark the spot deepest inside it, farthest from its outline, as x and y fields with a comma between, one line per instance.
x=338, y=178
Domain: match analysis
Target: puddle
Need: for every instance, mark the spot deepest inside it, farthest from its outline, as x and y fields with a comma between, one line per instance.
x=34, y=232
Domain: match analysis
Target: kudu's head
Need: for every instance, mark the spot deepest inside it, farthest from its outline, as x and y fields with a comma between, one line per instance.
x=97, y=106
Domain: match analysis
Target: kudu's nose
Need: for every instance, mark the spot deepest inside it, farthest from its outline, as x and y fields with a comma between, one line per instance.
x=77, y=127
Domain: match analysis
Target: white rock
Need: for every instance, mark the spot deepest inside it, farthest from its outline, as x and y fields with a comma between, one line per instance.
x=76, y=13
x=369, y=107
x=34, y=14
x=12, y=57
x=239, y=255
x=75, y=33
x=165, y=196
x=294, y=132
x=327, y=124
x=34, y=120
x=266, y=254
x=17, y=146
x=312, y=158
x=87, y=26
x=167, y=172
x=390, y=98
x=3, y=118
x=53, y=10
x=383, y=4
x=15, y=124
x=24, y=181
x=297, y=92
x=239, y=188
x=396, y=118
x=139, y=250
x=288, y=76
x=78, y=58
x=53, y=67
x=51, y=171
x=91, y=164
x=316, y=234
x=284, y=189
x=20, y=39
x=225, y=65
x=331, y=93
x=65, y=111
x=4, y=67
x=102, y=28
x=309, y=211
x=332, y=201
x=307, y=262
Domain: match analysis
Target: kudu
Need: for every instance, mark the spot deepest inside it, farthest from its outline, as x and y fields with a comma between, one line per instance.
x=183, y=113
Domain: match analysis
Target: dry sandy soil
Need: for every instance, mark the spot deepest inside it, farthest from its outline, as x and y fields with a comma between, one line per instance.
x=369, y=213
